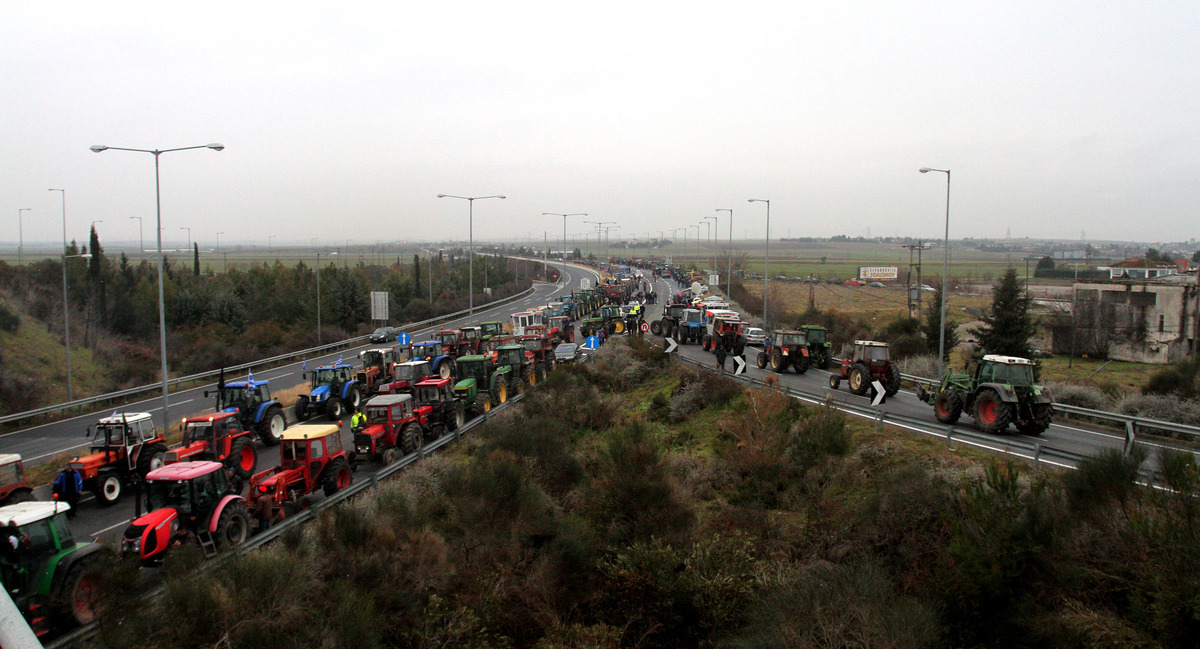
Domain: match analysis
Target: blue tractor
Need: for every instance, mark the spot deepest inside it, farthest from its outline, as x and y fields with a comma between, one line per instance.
x=335, y=392
x=691, y=326
x=432, y=351
x=255, y=408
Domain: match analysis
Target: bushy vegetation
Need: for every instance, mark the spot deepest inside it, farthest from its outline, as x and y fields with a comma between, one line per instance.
x=600, y=514
x=1181, y=379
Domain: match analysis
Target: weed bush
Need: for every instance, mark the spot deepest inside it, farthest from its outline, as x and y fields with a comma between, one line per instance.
x=1181, y=379
x=1083, y=396
x=1163, y=408
x=9, y=321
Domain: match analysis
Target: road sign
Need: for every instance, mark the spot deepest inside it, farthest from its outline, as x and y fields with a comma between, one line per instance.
x=714, y=279
x=645, y=326
x=671, y=345
x=880, y=395
x=585, y=284
x=404, y=339
x=379, y=305
x=739, y=365
x=592, y=342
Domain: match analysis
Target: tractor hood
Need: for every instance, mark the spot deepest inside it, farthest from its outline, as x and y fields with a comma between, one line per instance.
x=230, y=409
x=187, y=452
x=89, y=464
x=150, y=535
x=372, y=431
x=423, y=412
x=319, y=393
x=465, y=384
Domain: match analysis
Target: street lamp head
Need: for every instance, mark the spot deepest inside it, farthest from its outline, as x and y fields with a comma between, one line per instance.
x=501, y=197
x=216, y=146
x=924, y=170
x=441, y=195
x=97, y=148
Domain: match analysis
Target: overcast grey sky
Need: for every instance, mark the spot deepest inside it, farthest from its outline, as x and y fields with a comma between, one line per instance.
x=344, y=123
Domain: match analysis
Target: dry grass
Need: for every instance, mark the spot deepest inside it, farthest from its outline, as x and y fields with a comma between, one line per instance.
x=287, y=396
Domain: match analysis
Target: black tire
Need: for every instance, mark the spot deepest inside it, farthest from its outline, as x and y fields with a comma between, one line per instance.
x=151, y=457
x=834, y=381
x=483, y=403
x=336, y=471
x=992, y=415
x=1043, y=414
x=499, y=390
x=353, y=399
x=410, y=438
x=778, y=362
x=668, y=329
x=823, y=360
x=110, y=485
x=270, y=431
x=233, y=527
x=706, y=343
x=860, y=379
x=302, y=408
x=762, y=360
x=392, y=455
x=947, y=406
x=516, y=385
x=457, y=419
x=739, y=346
x=234, y=485
x=800, y=364
x=892, y=386
x=544, y=371
x=241, y=454
x=73, y=603
x=334, y=408
x=656, y=328
x=529, y=375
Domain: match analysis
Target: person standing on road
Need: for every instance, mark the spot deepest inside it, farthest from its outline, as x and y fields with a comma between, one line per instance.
x=67, y=487
x=720, y=353
x=358, y=421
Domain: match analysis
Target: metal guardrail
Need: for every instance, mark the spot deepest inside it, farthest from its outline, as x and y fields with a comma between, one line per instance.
x=87, y=631
x=129, y=392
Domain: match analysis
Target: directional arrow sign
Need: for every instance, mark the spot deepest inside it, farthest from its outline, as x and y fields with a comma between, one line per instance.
x=739, y=365
x=879, y=393
x=404, y=339
x=592, y=342
x=671, y=345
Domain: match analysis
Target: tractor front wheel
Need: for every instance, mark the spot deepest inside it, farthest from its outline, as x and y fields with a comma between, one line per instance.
x=834, y=381
x=410, y=438
x=739, y=346
x=656, y=328
x=499, y=390
x=301, y=408
x=991, y=414
x=334, y=408
x=762, y=360
x=353, y=399
x=823, y=360
x=392, y=455
x=947, y=406
x=242, y=458
x=458, y=419
x=706, y=343
x=271, y=430
x=860, y=379
x=1042, y=415
x=337, y=477
x=109, y=487
x=233, y=526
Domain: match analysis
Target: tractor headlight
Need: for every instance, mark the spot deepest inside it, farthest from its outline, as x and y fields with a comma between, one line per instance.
x=133, y=546
x=318, y=398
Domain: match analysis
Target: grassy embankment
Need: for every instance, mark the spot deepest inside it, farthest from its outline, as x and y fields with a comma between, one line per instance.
x=636, y=503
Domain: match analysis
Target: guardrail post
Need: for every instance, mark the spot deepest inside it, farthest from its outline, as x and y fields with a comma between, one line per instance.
x=949, y=436
x=879, y=421
x=1037, y=453
x=1130, y=436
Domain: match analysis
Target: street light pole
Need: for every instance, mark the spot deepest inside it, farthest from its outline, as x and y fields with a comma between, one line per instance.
x=319, y=293
x=162, y=312
x=66, y=304
x=729, y=259
x=767, y=261
x=945, y=272
x=21, y=234
x=711, y=240
x=470, y=246
x=189, y=231
x=564, y=227
x=141, y=237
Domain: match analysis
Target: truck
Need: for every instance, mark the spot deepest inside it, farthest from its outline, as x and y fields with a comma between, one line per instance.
x=996, y=391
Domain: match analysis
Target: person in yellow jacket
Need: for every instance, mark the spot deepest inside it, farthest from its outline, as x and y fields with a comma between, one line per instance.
x=358, y=421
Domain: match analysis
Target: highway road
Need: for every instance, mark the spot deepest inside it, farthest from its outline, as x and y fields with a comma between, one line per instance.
x=42, y=443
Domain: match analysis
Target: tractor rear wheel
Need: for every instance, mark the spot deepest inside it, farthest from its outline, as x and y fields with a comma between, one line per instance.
x=892, y=386
x=860, y=379
x=778, y=363
x=301, y=408
x=762, y=360
x=243, y=459
x=947, y=406
x=77, y=594
x=336, y=476
x=529, y=374
x=233, y=526
x=543, y=370
x=271, y=429
x=991, y=414
x=668, y=329
x=410, y=438
x=109, y=487
x=458, y=418
x=445, y=369
x=483, y=403
x=152, y=457
x=499, y=390
x=706, y=343
x=392, y=455
x=656, y=327
x=618, y=326
x=800, y=364
x=334, y=408
x=1042, y=415
x=823, y=359
x=739, y=345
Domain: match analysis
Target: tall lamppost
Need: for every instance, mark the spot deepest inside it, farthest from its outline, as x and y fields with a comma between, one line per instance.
x=945, y=271
x=66, y=304
x=711, y=240
x=93, y=225
x=141, y=237
x=729, y=265
x=21, y=233
x=599, y=227
x=564, y=227
x=697, y=239
x=767, y=262
x=331, y=254
x=470, y=246
x=162, y=312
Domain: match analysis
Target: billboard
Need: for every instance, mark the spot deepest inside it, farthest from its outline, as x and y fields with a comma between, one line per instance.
x=379, y=305
x=879, y=272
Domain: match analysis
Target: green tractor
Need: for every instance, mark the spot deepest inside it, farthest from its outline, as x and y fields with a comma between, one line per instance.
x=995, y=391
x=476, y=372
x=523, y=370
x=590, y=327
x=818, y=345
x=48, y=574
x=489, y=329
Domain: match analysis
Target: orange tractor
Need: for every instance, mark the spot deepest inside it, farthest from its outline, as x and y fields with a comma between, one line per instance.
x=311, y=458
x=124, y=448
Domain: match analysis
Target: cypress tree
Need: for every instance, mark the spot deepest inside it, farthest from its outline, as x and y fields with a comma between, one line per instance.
x=1008, y=328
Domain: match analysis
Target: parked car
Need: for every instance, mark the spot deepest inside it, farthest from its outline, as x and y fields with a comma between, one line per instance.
x=566, y=353
x=877, y=285
x=833, y=280
x=383, y=335
x=755, y=336
x=852, y=282
x=1041, y=353
x=928, y=289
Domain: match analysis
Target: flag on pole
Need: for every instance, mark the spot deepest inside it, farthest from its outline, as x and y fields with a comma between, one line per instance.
x=250, y=377
x=304, y=366
x=339, y=360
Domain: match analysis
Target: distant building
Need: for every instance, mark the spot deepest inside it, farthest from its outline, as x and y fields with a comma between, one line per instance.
x=1144, y=321
x=1134, y=268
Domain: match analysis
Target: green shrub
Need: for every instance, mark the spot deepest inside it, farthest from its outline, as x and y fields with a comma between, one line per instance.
x=1181, y=379
x=9, y=321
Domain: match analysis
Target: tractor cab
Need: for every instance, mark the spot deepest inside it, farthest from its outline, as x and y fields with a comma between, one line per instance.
x=816, y=334
x=560, y=329
x=403, y=351
x=119, y=433
x=511, y=355
x=1009, y=370
x=789, y=339
x=489, y=329
x=310, y=458
x=309, y=442
x=187, y=499
x=437, y=408
x=388, y=409
x=13, y=487
x=243, y=395
x=210, y=429
x=427, y=350
x=693, y=317
x=406, y=375
x=392, y=430
x=470, y=338
x=870, y=352
x=449, y=339
x=381, y=358
x=476, y=367
x=525, y=319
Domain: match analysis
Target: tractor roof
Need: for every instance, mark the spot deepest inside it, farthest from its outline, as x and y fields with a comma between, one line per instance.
x=504, y=347
x=1007, y=360
x=309, y=431
x=339, y=366
x=436, y=383
x=787, y=331
x=473, y=358
x=9, y=458
x=388, y=399
x=245, y=384
x=870, y=343
x=216, y=416
x=184, y=471
x=812, y=327
x=411, y=363
x=30, y=512
x=427, y=342
x=128, y=416
x=472, y=328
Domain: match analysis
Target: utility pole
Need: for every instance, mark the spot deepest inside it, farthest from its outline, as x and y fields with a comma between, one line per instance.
x=918, y=248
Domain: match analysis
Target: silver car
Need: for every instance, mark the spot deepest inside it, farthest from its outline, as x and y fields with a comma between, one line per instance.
x=755, y=336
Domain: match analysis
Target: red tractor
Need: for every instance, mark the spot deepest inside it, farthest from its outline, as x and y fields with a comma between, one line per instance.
x=188, y=500
x=541, y=346
x=218, y=437
x=449, y=339
x=561, y=330
x=868, y=362
x=405, y=377
x=311, y=458
x=437, y=407
x=470, y=340
x=13, y=487
x=725, y=332
x=125, y=447
x=376, y=369
x=392, y=430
